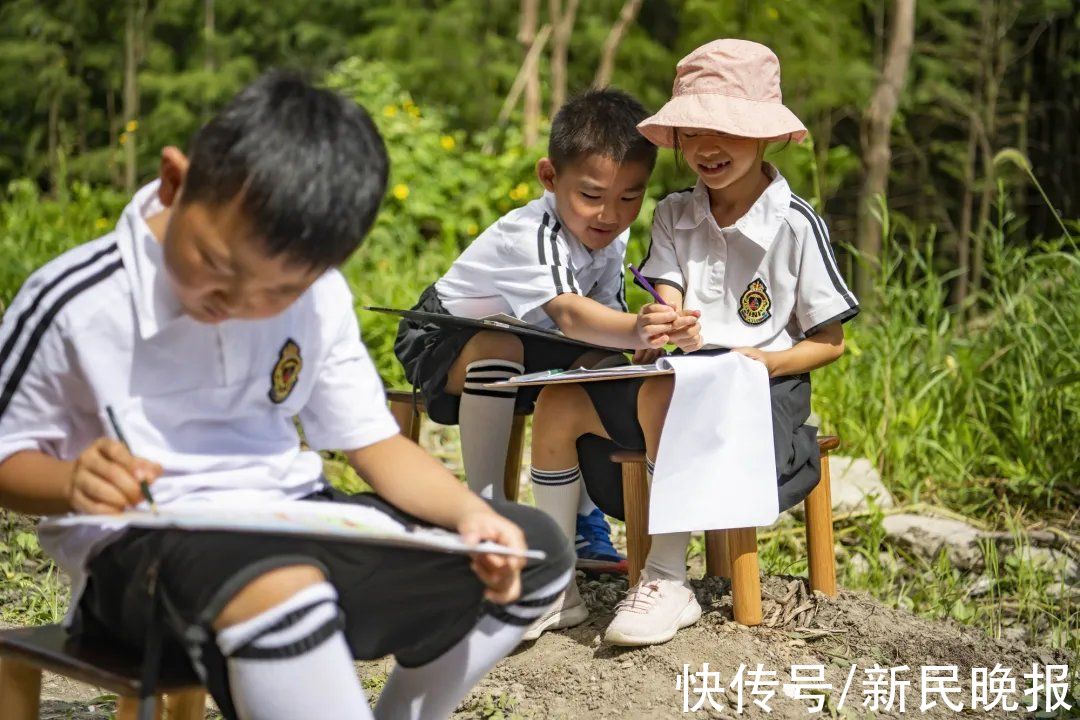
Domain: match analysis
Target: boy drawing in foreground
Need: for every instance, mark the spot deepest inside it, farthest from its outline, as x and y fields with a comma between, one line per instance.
x=207, y=320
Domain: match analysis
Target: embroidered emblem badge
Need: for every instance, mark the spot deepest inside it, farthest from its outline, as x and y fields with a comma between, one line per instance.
x=754, y=303
x=286, y=371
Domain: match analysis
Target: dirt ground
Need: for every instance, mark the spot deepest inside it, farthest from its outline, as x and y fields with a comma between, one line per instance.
x=572, y=674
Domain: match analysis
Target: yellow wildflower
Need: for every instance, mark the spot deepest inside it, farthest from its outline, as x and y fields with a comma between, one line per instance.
x=950, y=362
x=412, y=110
x=390, y=110
x=132, y=126
x=101, y=223
x=123, y=138
x=471, y=229
x=773, y=13
x=401, y=191
x=447, y=142
x=520, y=192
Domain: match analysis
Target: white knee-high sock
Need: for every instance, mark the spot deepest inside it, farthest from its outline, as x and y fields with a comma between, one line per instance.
x=667, y=556
x=292, y=658
x=434, y=690
x=485, y=417
x=556, y=493
x=585, y=503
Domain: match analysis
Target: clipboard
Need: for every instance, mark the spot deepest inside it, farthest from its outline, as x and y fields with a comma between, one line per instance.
x=581, y=375
x=517, y=328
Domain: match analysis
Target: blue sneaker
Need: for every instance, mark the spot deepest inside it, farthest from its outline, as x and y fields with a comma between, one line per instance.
x=595, y=553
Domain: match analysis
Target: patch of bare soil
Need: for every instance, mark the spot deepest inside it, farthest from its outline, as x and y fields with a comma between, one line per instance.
x=572, y=674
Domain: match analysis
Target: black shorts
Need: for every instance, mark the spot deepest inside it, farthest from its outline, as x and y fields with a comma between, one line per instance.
x=411, y=603
x=797, y=459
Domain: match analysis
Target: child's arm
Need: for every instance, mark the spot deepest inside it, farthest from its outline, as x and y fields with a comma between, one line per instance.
x=585, y=319
x=818, y=350
x=102, y=480
x=410, y=479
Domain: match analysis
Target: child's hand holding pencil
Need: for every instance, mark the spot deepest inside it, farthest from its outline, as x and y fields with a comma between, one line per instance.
x=107, y=479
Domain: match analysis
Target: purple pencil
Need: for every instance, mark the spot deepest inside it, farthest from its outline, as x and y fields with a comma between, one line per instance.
x=647, y=285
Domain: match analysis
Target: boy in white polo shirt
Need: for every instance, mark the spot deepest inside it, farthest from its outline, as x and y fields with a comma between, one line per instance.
x=557, y=263
x=210, y=318
x=754, y=260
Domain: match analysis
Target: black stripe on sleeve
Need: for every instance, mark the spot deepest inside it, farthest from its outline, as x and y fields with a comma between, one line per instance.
x=24, y=316
x=540, y=239
x=842, y=317
x=552, y=235
x=834, y=276
x=558, y=280
x=43, y=325
x=661, y=281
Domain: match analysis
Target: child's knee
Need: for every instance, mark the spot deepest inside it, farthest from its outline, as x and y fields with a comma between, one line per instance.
x=559, y=408
x=488, y=345
x=267, y=591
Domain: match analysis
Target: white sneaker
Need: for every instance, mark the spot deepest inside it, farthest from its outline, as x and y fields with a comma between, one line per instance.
x=652, y=613
x=569, y=610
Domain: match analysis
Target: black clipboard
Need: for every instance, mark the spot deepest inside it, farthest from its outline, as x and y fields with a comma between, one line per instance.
x=421, y=316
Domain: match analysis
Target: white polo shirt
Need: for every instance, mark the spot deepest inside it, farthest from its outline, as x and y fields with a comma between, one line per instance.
x=526, y=259
x=768, y=281
x=213, y=404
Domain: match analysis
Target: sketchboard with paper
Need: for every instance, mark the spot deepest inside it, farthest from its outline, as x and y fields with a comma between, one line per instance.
x=330, y=521
x=497, y=322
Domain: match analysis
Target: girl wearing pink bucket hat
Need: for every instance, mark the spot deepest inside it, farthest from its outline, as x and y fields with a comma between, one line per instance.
x=753, y=261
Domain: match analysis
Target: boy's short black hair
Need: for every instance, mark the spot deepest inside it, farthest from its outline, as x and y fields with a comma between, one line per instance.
x=600, y=122
x=308, y=165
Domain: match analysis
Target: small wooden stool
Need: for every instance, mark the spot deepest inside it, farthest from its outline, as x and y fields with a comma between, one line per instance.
x=407, y=409
x=26, y=652
x=733, y=553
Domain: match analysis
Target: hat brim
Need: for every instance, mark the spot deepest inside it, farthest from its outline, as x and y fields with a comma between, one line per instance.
x=723, y=113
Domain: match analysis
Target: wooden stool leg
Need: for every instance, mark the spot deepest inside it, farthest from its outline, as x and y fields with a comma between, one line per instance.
x=745, y=581
x=717, y=559
x=819, y=534
x=127, y=708
x=512, y=471
x=189, y=705
x=636, y=508
x=407, y=419
x=20, y=690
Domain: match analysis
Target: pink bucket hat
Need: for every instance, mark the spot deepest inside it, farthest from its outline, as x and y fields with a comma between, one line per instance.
x=732, y=86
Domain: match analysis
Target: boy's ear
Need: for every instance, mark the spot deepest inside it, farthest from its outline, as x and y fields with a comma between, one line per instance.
x=173, y=171
x=545, y=173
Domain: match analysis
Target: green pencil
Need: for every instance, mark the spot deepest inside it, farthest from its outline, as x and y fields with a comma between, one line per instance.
x=143, y=485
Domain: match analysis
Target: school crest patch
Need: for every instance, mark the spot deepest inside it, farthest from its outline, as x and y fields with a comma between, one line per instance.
x=286, y=371
x=754, y=303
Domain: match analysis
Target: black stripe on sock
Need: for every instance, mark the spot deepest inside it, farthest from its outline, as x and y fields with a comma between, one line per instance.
x=555, y=474
x=826, y=252
x=554, y=483
x=538, y=602
x=494, y=366
x=43, y=325
x=294, y=616
x=500, y=614
x=303, y=645
x=540, y=239
x=487, y=392
x=25, y=314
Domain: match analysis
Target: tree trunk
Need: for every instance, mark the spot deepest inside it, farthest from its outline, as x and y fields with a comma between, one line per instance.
x=875, y=141
x=562, y=20
x=133, y=27
x=208, y=36
x=995, y=73
x=611, y=44
x=530, y=11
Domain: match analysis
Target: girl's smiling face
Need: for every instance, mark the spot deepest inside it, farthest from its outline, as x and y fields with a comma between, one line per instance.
x=720, y=160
